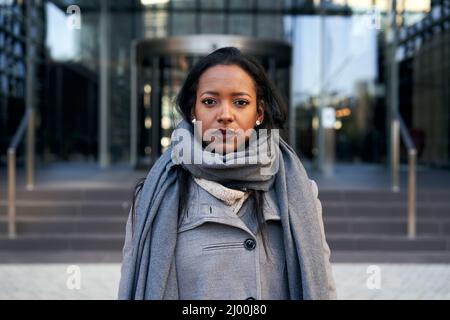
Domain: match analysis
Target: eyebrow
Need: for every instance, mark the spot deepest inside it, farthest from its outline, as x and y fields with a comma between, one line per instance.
x=233, y=94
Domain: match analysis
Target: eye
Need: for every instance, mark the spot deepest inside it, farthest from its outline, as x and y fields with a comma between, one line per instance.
x=208, y=101
x=241, y=102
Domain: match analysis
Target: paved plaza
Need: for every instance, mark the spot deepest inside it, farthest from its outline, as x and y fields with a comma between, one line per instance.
x=100, y=281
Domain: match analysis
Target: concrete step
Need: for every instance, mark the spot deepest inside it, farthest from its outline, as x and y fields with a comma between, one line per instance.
x=333, y=225
x=386, y=226
x=114, y=241
x=66, y=225
x=60, y=256
x=118, y=194
x=376, y=257
x=387, y=243
x=125, y=194
x=63, y=242
x=119, y=208
x=94, y=220
x=383, y=209
x=46, y=208
x=351, y=196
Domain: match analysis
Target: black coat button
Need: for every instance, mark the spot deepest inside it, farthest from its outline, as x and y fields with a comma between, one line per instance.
x=249, y=244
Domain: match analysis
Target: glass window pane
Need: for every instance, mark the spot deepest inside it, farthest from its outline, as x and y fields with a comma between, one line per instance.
x=183, y=3
x=270, y=4
x=211, y=23
x=240, y=4
x=241, y=24
x=155, y=23
x=183, y=23
x=212, y=3
x=270, y=26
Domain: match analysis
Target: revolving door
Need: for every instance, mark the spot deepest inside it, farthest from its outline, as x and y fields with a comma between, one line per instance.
x=158, y=69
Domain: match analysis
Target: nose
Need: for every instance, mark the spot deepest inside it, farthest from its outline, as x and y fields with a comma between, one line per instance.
x=226, y=114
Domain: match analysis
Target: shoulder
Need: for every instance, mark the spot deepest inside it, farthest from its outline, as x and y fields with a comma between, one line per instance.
x=314, y=188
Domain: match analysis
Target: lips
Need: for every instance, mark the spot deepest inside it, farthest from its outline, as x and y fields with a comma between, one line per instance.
x=227, y=132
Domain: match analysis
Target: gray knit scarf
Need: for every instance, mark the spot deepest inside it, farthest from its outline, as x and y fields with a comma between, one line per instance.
x=149, y=272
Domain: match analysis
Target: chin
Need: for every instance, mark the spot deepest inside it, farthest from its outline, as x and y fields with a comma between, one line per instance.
x=227, y=148
x=224, y=148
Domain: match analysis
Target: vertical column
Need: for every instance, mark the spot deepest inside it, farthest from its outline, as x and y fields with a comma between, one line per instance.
x=292, y=109
x=30, y=78
x=325, y=142
x=156, y=108
x=134, y=108
x=393, y=98
x=104, y=48
x=329, y=142
x=290, y=80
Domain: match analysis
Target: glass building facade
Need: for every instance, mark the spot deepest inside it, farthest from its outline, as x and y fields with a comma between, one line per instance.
x=22, y=61
x=337, y=60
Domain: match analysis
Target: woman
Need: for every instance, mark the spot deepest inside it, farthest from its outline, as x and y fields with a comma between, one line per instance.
x=227, y=212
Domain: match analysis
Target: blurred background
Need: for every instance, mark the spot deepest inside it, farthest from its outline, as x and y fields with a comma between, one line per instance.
x=87, y=105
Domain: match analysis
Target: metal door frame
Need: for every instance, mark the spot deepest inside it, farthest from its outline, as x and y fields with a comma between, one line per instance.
x=278, y=52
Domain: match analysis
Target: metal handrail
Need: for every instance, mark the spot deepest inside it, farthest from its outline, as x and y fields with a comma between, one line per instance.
x=26, y=122
x=399, y=129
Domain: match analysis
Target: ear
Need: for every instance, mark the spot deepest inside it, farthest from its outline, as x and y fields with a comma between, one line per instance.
x=260, y=111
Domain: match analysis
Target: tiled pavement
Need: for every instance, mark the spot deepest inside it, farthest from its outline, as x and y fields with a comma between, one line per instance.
x=100, y=281
x=397, y=281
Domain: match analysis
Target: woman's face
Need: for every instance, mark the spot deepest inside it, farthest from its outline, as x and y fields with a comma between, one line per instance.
x=227, y=107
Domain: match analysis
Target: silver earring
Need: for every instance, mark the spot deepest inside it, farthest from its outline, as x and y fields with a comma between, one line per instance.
x=194, y=120
x=258, y=122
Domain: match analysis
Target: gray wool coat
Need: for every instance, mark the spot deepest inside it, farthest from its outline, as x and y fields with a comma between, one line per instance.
x=219, y=255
